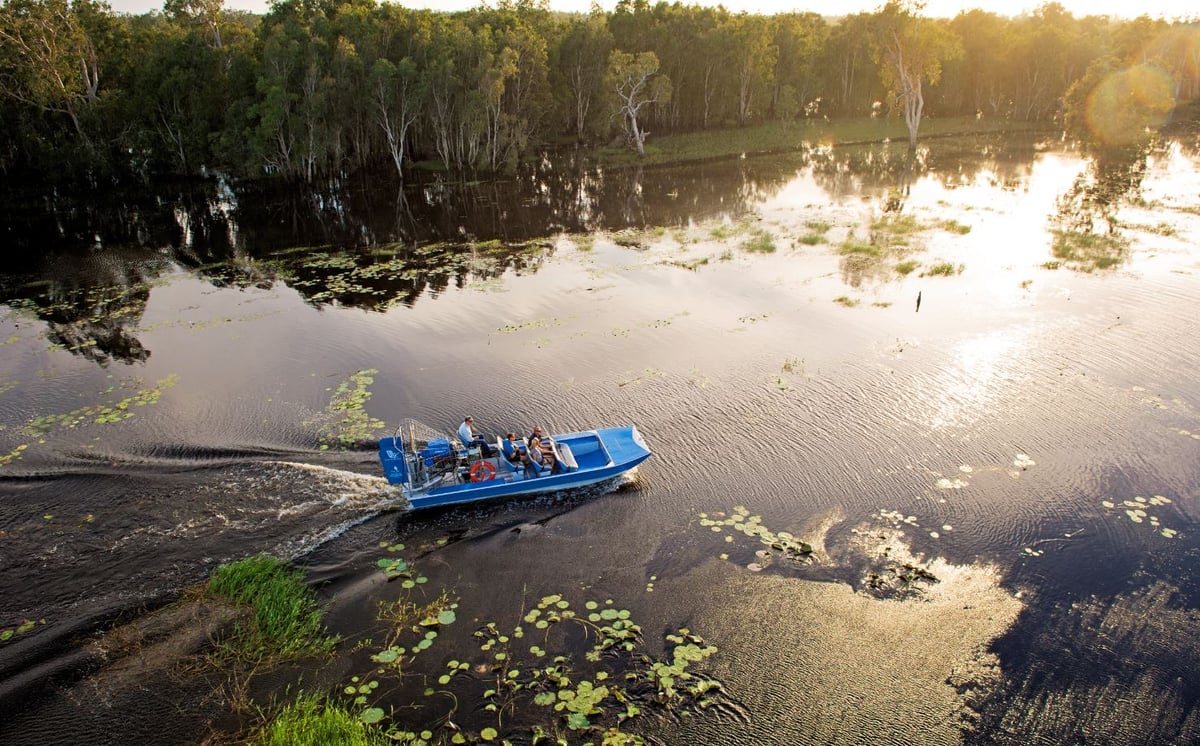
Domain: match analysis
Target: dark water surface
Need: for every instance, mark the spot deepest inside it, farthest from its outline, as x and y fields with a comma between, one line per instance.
x=994, y=452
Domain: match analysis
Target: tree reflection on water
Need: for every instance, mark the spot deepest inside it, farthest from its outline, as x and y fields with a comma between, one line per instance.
x=1086, y=231
x=84, y=263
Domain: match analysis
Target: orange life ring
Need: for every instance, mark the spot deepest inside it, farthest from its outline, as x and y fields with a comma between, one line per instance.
x=483, y=471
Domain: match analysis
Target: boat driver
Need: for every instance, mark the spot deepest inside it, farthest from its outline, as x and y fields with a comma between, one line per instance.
x=471, y=438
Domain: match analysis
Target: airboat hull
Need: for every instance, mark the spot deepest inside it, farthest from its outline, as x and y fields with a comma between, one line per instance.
x=594, y=456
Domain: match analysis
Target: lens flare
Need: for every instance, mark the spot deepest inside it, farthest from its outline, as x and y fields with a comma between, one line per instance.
x=1129, y=102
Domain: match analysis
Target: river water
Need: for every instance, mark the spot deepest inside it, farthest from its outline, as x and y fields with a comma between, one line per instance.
x=993, y=452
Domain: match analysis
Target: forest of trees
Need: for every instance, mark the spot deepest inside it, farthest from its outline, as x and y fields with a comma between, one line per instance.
x=320, y=87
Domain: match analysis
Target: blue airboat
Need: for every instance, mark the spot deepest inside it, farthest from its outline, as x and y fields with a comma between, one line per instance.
x=435, y=469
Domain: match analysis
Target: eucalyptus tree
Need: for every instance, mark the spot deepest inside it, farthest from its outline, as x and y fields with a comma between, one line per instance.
x=909, y=50
x=636, y=83
x=582, y=58
x=50, y=60
x=799, y=38
x=754, y=62
x=174, y=103
x=206, y=14
x=397, y=87
x=850, y=85
x=976, y=79
x=716, y=46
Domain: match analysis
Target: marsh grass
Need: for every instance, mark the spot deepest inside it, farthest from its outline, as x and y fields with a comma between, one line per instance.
x=313, y=720
x=286, y=623
x=953, y=226
x=721, y=232
x=812, y=239
x=1089, y=251
x=853, y=246
x=943, y=269
x=762, y=242
x=907, y=267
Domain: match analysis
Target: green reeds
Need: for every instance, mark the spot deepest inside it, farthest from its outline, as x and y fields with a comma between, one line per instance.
x=286, y=621
x=313, y=720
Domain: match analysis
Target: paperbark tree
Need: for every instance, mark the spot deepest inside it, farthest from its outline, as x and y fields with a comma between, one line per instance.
x=50, y=62
x=910, y=50
x=636, y=83
x=582, y=56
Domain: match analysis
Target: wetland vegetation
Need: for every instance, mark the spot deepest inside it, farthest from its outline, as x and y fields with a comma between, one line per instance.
x=197, y=373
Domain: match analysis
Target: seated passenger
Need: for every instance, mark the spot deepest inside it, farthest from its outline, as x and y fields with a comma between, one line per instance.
x=542, y=452
x=471, y=438
x=514, y=450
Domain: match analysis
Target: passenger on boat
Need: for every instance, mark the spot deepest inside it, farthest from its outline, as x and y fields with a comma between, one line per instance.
x=542, y=452
x=543, y=440
x=514, y=450
x=471, y=438
x=518, y=455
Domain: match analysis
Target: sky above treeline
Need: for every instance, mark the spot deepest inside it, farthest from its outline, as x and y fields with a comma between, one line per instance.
x=1169, y=9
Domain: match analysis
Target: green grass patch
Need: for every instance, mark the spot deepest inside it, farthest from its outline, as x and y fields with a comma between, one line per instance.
x=852, y=246
x=953, y=226
x=943, y=269
x=897, y=225
x=1089, y=251
x=313, y=720
x=762, y=242
x=907, y=267
x=286, y=622
x=818, y=226
x=721, y=232
x=812, y=239
x=846, y=301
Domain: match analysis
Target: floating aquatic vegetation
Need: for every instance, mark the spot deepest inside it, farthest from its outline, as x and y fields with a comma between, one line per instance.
x=896, y=518
x=892, y=571
x=1023, y=461
x=531, y=324
x=398, y=567
x=348, y=401
x=754, y=318
x=102, y=414
x=782, y=544
x=946, y=483
x=535, y=665
x=24, y=628
x=12, y=455
x=209, y=324
x=1138, y=511
x=648, y=374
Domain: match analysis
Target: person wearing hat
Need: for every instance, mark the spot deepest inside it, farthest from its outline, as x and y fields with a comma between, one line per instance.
x=470, y=437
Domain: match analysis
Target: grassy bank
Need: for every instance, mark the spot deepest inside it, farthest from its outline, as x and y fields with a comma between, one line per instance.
x=776, y=137
x=286, y=623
